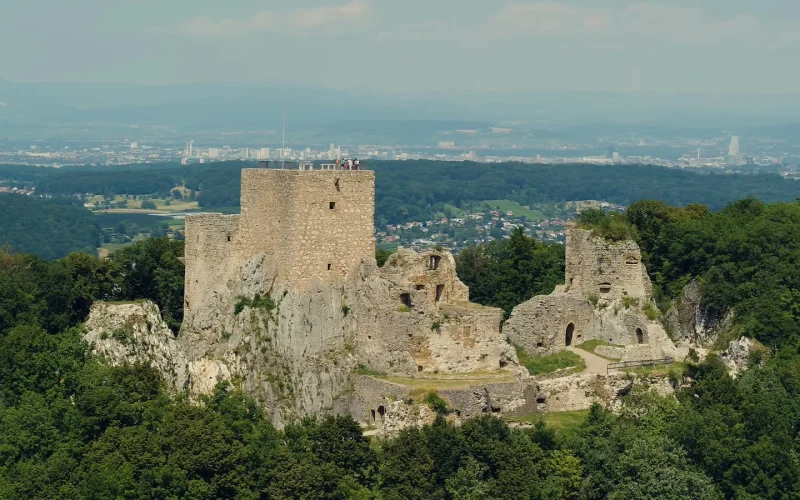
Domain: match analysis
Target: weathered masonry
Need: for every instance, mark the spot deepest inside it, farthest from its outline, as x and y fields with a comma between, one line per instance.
x=312, y=225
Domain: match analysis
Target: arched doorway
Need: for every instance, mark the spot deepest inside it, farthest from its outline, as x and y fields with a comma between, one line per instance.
x=639, y=336
x=568, y=336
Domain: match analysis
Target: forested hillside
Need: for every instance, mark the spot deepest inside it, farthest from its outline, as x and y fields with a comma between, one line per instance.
x=417, y=190
x=746, y=256
x=49, y=228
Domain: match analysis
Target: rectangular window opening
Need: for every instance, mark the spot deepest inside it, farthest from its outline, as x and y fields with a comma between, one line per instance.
x=434, y=263
x=329, y=267
x=439, y=292
x=332, y=205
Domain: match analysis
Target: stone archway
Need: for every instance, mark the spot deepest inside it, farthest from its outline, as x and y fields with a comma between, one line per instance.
x=569, y=333
x=639, y=336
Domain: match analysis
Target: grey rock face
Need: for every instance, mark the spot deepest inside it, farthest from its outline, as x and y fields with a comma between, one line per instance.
x=691, y=322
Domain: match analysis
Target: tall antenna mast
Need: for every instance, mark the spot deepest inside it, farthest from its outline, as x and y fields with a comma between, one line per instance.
x=283, y=147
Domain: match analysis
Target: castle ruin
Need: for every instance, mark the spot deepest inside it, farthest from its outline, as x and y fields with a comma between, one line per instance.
x=287, y=302
x=604, y=297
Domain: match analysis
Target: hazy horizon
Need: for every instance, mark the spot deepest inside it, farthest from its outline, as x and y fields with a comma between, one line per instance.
x=722, y=46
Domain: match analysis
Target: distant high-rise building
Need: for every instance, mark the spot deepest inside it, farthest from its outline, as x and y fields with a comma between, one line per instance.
x=263, y=154
x=245, y=153
x=190, y=148
x=213, y=152
x=735, y=157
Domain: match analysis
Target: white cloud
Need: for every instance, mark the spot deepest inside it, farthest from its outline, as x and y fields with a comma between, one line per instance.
x=3, y=104
x=315, y=17
x=225, y=28
x=657, y=23
x=320, y=16
x=546, y=19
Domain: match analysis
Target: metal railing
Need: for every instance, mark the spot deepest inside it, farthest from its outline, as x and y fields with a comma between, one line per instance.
x=636, y=364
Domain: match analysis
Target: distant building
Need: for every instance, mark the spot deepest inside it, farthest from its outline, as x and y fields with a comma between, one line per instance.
x=263, y=154
x=213, y=152
x=735, y=157
x=134, y=145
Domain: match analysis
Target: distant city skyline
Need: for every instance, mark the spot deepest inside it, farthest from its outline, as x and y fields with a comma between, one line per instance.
x=411, y=46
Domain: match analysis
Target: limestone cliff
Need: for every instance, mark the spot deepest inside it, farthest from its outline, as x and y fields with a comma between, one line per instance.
x=692, y=322
x=133, y=332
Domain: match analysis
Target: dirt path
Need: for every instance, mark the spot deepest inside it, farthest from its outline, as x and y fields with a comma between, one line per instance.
x=594, y=363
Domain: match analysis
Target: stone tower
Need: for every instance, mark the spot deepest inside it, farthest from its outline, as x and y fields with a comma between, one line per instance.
x=607, y=269
x=312, y=225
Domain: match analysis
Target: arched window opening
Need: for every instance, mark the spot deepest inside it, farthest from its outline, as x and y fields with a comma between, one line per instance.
x=569, y=333
x=639, y=336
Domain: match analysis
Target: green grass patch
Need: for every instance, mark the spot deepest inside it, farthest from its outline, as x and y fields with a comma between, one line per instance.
x=538, y=365
x=565, y=422
x=363, y=370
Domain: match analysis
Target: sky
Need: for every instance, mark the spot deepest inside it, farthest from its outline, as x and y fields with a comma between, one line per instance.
x=410, y=46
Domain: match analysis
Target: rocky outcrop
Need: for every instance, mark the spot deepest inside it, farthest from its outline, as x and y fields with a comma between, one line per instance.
x=691, y=322
x=133, y=332
x=737, y=355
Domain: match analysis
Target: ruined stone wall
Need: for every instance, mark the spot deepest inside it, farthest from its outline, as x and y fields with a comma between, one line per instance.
x=310, y=224
x=610, y=270
x=432, y=275
x=211, y=252
x=541, y=325
x=413, y=316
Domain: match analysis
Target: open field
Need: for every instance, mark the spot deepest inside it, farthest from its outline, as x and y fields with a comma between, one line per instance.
x=135, y=206
x=512, y=206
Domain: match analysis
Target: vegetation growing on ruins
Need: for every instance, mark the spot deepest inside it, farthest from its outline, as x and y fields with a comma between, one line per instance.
x=382, y=255
x=614, y=227
x=436, y=403
x=257, y=302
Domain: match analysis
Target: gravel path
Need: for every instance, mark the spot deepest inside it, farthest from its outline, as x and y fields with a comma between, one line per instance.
x=594, y=363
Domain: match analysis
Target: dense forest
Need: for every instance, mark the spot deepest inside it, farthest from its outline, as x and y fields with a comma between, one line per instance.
x=418, y=190
x=50, y=228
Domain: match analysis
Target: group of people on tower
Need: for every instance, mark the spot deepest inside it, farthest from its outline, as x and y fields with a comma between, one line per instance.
x=348, y=164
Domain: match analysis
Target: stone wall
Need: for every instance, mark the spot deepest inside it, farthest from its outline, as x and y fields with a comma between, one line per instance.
x=311, y=224
x=542, y=324
x=415, y=317
x=211, y=254
x=609, y=270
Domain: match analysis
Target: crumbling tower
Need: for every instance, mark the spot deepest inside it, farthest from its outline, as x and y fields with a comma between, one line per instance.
x=311, y=225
